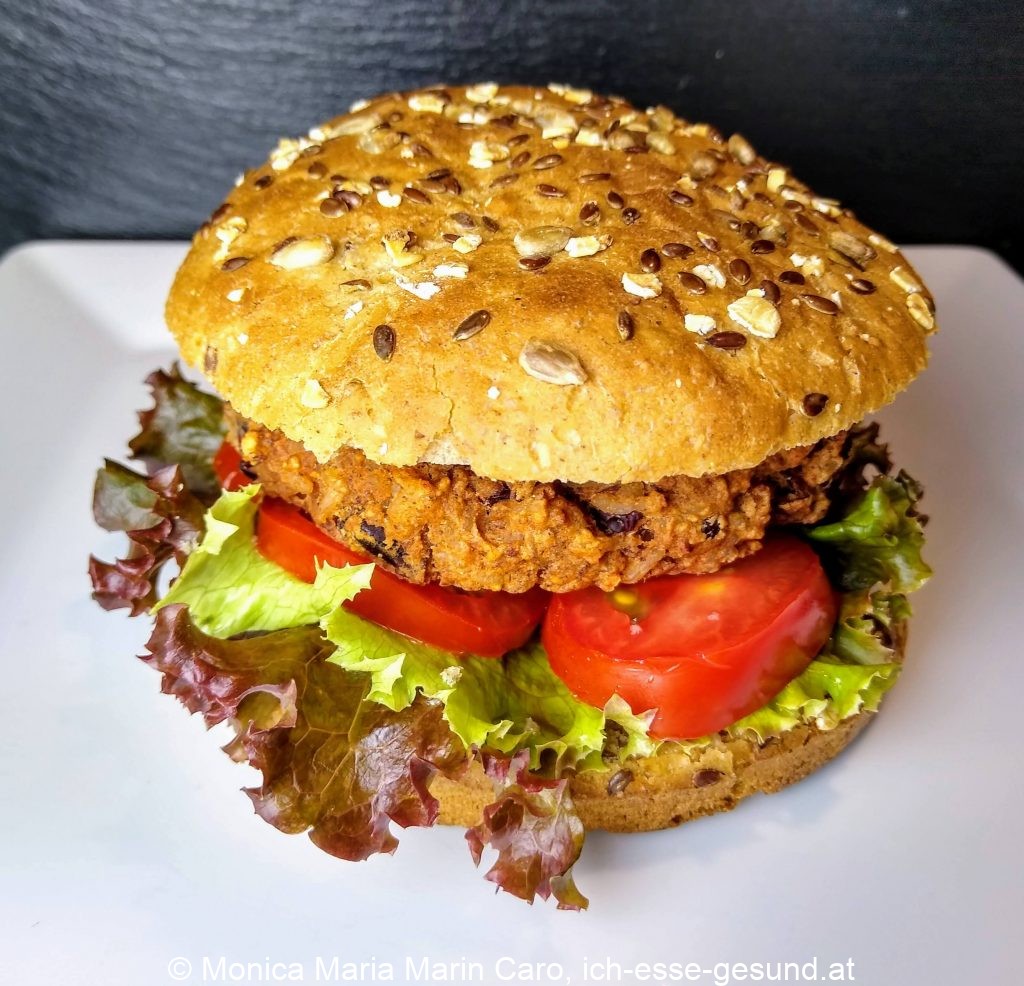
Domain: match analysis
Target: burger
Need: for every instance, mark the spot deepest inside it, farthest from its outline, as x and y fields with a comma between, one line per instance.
x=536, y=495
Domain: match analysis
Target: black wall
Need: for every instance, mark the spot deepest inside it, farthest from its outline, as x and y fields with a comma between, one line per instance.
x=132, y=117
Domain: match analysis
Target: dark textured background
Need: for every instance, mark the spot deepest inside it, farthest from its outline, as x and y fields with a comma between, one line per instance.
x=132, y=117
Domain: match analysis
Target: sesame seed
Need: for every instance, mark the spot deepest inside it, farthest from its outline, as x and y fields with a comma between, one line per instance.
x=507, y=179
x=517, y=140
x=625, y=326
x=550, y=192
x=519, y=160
x=463, y=219
x=679, y=198
x=415, y=195
x=490, y=224
x=708, y=242
x=384, y=342
x=438, y=174
x=234, y=263
x=592, y=176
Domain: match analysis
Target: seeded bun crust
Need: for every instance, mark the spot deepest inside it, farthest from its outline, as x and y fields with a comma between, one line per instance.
x=671, y=788
x=392, y=282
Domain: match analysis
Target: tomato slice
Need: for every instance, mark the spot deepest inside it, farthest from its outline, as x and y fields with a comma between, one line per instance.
x=227, y=467
x=703, y=650
x=484, y=623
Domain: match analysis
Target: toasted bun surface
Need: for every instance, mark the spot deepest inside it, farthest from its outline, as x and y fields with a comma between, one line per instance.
x=337, y=294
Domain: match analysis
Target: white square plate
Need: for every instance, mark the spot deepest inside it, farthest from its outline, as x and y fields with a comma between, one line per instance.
x=125, y=844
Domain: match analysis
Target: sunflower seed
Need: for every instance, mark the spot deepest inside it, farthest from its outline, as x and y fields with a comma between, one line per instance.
x=740, y=149
x=551, y=364
x=304, y=252
x=849, y=246
x=541, y=241
x=920, y=311
x=906, y=281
